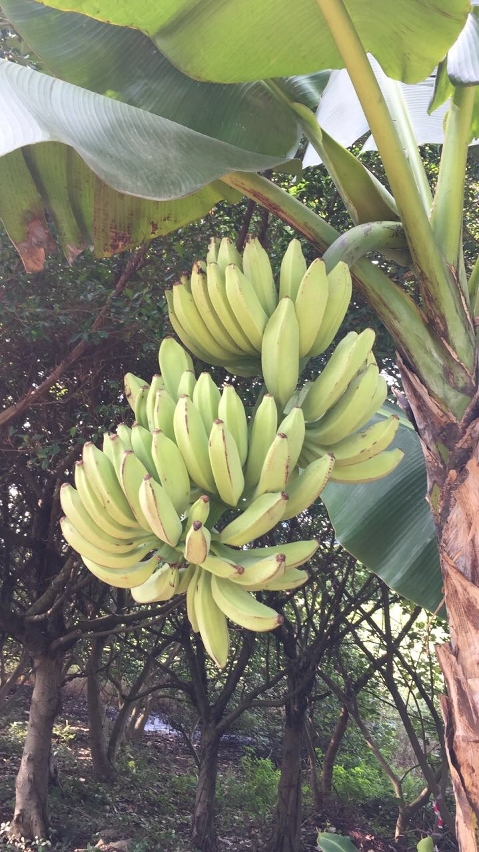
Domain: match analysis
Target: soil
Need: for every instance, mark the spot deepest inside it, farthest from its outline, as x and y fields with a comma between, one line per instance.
x=147, y=807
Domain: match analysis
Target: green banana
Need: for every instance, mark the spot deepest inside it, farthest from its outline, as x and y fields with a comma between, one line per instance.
x=365, y=444
x=187, y=384
x=245, y=305
x=141, y=440
x=192, y=440
x=295, y=552
x=291, y=579
x=228, y=253
x=131, y=472
x=369, y=470
x=276, y=466
x=163, y=413
x=213, y=248
x=171, y=470
x=242, y=608
x=157, y=383
x=305, y=489
x=257, y=268
x=262, y=571
x=280, y=352
x=198, y=511
x=231, y=410
x=262, y=431
x=173, y=361
x=347, y=359
x=103, y=557
x=220, y=566
x=185, y=575
x=79, y=518
x=343, y=418
x=310, y=305
x=159, y=511
x=190, y=599
x=121, y=578
x=206, y=397
x=339, y=296
x=102, y=478
x=197, y=543
x=259, y=518
x=292, y=271
x=192, y=321
x=132, y=385
x=141, y=400
x=202, y=299
x=225, y=463
x=219, y=300
x=124, y=433
x=293, y=426
x=97, y=511
x=160, y=586
x=189, y=340
x=211, y=621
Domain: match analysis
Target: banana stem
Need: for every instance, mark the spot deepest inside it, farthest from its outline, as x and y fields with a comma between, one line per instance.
x=440, y=293
x=446, y=216
x=405, y=322
x=358, y=241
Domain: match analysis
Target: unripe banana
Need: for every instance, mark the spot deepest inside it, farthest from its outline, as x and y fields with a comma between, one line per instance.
x=171, y=470
x=365, y=444
x=213, y=248
x=295, y=552
x=197, y=543
x=291, y=579
x=221, y=567
x=192, y=321
x=187, y=383
x=377, y=400
x=192, y=440
x=262, y=572
x=132, y=385
x=173, y=361
x=369, y=470
x=79, y=518
x=163, y=413
x=342, y=418
x=124, y=433
x=102, y=477
x=96, y=509
x=293, y=426
x=202, y=299
x=198, y=511
x=185, y=575
x=232, y=411
x=186, y=337
x=262, y=429
x=131, y=472
x=242, y=608
x=219, y=300
x=245, y=305
x=159, y=511
x=276, y=466
x=257, y=268
x=339, y=297
x=293, y=268
x=126, y=578
x=160, y=586
x=310, y=305
x=102, y=557
x=306, y=488
x=141, y=439
x=141, y=400
x=157, y=383
x=206, y=397
x=259, y=518
x=347, y=359
x=225, y=464
x=280, y=352
x=211, y=621
x=228, y=253
x=190, y=599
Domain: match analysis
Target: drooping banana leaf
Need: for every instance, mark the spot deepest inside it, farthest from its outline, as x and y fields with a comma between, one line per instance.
x=247, y=40
x=387, y=524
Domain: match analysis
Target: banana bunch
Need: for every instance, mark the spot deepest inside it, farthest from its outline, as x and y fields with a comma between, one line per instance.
x=231, y=313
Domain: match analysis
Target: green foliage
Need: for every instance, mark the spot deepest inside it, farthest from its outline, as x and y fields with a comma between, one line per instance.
x=360, y=784
x=256, y=789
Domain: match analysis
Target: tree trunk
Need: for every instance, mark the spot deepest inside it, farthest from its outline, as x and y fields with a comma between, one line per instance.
x=203, y=833
x=331, y=754
x=103, y=768
x=451, y=450
x=310, y=737
x=30, y=818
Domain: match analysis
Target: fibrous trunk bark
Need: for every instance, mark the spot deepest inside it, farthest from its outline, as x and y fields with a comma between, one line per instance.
x=30, y=817
x=203, y=830
x=451, y=450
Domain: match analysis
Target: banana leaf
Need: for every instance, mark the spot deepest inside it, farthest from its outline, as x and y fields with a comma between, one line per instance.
x=387, y=524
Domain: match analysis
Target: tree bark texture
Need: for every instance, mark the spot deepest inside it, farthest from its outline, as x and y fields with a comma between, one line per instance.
x=30, y=817
x=203, y=831
x=331, y=753
x=103, y=768
x=451, y=450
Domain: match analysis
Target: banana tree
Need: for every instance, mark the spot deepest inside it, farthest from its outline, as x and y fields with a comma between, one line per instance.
x=165, y=101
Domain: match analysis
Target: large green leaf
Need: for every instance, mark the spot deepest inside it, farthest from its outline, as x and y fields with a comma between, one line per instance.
x=329, y=842
x=247, y=40
x=387, y=524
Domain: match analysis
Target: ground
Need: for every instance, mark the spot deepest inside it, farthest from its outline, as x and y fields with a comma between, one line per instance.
x=147, y=808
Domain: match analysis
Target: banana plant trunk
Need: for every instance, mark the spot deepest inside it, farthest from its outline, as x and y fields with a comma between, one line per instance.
x=451, y=450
